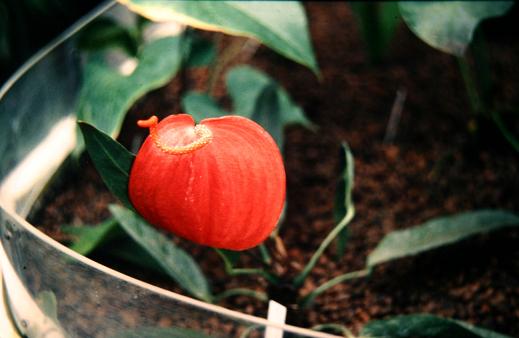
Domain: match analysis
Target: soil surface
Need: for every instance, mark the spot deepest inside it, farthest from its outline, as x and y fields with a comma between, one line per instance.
x=432, y=167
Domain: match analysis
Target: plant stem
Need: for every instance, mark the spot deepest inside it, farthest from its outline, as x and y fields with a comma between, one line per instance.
x=267, y=260
x=269, y=277
x=310, y=297
x=470, y=85
x=241, y=292
x=514, y=142
x=298, y=281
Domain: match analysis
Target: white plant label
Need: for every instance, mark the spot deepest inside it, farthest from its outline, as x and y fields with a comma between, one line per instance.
x=277, y=313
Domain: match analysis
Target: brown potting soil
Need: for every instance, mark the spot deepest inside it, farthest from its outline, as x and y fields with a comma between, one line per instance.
x=433, y=167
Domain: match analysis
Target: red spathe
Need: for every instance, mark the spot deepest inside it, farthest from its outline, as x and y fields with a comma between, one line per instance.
x=220, y=184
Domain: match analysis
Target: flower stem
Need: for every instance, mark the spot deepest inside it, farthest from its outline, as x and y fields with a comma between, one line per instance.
x=310, y=297
x=298, y=281
x=470, y=85
x=267, y=260
x=260, y=272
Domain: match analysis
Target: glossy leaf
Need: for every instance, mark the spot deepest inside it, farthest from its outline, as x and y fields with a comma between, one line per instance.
x=89, y=237
x=176, y=262
x=246, y=84
x=201, y=106
x=343, y=195
x=280, y=25
x=130, y=251
x=378, y=22
x=267, y=113
x=199, y=51
x=107, y=94
x=104, y=33
x=439, y=232
x=160, y=332
x=425, y=326
x=111, y=159
x=449, y=25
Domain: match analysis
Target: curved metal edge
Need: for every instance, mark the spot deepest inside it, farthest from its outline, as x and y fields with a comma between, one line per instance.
x=7, y=326
x=168, y=294
x=54, y=44
x=58, y=246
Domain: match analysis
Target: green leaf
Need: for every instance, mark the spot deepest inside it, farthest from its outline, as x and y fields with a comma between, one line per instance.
x=88, y=237
x=378, y=21
x=104, y=33
x=176, y=262
x=201, y=106
x=438, y=232
x=246, y=85
x=199, y=51
x=130, y=251
x=424, y=326
x=112, y=161
x=343, y=195
x=267, y=113
x=280, y=25
x=160, y=332
x=106, y=94
x=449, y=25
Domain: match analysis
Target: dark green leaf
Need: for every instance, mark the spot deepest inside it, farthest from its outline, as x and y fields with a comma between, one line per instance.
x=104, y=33
x=425, y=326
x=201, y=106
x=176, y=262
x=267, y=113
x=200, y=51
x=130, y=251
x=245, y=86
x=160, y=332
x=439, y=232
x=89, y=237
x=112, y=161
x=280, y=25
x=449, y=25
x=343, y=195
x=378, y=21
x=107, y=94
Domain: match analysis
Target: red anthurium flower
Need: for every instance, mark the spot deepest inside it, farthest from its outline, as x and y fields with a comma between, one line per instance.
x=220, y=183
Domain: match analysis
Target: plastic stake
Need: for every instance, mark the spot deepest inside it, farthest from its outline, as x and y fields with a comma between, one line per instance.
x=277, y=313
